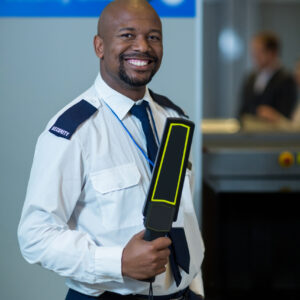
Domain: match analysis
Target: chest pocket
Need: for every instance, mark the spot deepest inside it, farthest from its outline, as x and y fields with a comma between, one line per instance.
x=120, y=196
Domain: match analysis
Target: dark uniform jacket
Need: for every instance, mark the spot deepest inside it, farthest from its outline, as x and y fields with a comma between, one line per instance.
x=280, y=93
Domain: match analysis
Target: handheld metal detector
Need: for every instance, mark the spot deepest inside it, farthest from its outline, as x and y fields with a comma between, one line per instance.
x=163, y=198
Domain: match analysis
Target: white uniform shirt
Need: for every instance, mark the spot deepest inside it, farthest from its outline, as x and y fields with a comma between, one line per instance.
x=85, y=198
x=262, y=79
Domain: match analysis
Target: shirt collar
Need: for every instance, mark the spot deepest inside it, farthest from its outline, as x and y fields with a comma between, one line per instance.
x=119, y=103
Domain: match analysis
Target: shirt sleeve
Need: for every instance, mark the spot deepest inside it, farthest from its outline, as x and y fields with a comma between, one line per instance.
x=55, y=186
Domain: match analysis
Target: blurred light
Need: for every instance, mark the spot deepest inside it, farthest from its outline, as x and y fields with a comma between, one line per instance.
x=173, y=2
x=226, y=126
x=230, y=44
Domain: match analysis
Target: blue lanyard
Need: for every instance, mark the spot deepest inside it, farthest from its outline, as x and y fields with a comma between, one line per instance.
x=130, y=135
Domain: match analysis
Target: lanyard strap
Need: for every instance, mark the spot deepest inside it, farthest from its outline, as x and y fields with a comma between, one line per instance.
x=130, y=135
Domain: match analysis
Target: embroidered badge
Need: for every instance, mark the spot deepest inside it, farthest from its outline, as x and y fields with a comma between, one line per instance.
x=69, y=121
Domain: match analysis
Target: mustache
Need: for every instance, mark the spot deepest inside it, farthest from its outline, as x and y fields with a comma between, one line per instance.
x=145, y=55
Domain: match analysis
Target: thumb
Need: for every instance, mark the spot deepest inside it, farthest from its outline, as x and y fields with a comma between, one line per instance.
x=140, y=235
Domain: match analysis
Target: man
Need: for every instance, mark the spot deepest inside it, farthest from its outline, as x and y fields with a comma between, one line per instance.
x=270, y=91
x=82, y=216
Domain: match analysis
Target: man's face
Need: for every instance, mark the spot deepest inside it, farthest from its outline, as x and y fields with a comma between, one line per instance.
x=262, y=58
x=131, y=50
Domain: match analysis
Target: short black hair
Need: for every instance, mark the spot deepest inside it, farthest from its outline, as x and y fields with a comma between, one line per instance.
x=270, y=41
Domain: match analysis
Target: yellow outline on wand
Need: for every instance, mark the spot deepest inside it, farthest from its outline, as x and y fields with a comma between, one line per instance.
x=162, y=160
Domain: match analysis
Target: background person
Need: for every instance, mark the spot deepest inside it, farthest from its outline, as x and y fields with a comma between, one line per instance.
x=269, y=92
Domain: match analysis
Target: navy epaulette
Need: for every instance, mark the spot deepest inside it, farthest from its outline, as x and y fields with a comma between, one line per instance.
x=68, y=122
x=164, y=101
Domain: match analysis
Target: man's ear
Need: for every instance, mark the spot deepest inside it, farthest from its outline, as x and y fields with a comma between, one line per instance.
x=98, y=46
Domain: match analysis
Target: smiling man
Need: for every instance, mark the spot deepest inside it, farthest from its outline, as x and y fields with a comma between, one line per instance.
x=129, y=44
x=82, y=216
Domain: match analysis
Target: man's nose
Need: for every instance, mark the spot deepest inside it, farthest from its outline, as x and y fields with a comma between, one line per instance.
x=141, y=44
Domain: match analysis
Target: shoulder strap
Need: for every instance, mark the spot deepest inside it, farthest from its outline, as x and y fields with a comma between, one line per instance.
x=166, y=102
x=69, y=121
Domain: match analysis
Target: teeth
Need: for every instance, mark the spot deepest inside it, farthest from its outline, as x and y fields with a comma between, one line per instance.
x=139, y=63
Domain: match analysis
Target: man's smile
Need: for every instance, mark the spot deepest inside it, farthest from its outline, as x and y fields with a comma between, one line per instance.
x=139, y=62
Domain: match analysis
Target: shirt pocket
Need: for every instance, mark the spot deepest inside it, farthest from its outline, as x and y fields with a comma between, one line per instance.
x=120, y=196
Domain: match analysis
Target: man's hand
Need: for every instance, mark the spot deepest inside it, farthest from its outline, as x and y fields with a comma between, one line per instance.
x=268, y=113
x=142, y=259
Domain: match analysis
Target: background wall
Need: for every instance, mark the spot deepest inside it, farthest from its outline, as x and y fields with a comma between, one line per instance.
x=44, y=64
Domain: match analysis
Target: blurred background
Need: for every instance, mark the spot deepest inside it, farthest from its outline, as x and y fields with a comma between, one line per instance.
x=228, y=27
x=247, y=166
x=251, y=152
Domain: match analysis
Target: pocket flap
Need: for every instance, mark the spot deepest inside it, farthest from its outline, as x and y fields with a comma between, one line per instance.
x=117, y=178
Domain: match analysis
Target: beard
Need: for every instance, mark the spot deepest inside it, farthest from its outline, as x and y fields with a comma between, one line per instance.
x=134, y=82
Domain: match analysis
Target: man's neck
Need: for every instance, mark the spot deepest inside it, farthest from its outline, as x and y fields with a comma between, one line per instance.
x=134, y=93
x=272, y=67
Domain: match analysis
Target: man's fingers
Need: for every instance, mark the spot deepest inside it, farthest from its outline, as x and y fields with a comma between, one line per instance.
x=165, y=253
x=162, y=243
x=162, y=262
x=159, y=243
x=161, y=270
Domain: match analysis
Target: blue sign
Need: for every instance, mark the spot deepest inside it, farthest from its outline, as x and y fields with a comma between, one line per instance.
x=87, y=8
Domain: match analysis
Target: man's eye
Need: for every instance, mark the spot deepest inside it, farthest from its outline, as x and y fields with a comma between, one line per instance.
x=154, y=38
x=127, y=35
